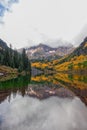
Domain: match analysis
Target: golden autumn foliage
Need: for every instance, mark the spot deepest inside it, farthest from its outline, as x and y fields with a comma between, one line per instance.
x=42, y=66
x=39, y=65
x=39, y=78
x=76, y=63
x=74, y=81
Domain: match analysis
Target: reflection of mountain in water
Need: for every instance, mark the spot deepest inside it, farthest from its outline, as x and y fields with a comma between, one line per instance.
x=43, y=91
x=42, y=87
x=75, y=83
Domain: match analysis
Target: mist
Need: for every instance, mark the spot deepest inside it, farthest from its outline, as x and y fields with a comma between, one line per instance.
x=51, y=114
x=81, y=36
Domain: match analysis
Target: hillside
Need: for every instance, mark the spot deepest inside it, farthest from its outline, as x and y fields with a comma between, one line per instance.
x=76, y=61
x=11, y=58
x=82, y=49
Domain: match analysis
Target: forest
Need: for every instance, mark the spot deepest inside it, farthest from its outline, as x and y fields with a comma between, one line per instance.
x=13, y=59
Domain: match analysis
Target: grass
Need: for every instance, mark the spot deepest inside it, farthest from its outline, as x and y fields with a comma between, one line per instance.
x=7, y=70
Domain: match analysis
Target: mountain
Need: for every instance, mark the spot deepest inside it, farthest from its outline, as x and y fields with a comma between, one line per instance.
x=82, y=49
x=76, y=61
x=3, y=44
x=46, y=52
x=42, y=46
x=65, y=50
x=73, y=62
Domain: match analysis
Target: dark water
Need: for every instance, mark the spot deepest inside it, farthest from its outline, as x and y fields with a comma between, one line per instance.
x=44, y=102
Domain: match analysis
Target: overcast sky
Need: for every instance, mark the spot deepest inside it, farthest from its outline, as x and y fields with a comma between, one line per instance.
x=29, y=22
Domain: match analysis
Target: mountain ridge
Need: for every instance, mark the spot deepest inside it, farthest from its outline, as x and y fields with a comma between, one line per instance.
x=3, y=45
x=82, y=49
x=42, y=51
x=75, y=62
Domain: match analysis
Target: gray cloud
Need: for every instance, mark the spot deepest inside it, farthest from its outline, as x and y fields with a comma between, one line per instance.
x=42, y=20
x=57, y=42
x=80, y=37
x=51, y=114
x=49, y=41
x=5, y=5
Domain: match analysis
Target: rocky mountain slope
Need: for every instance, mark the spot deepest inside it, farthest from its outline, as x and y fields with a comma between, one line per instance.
x=82, y=49
x=77, y=60
x=45, y=52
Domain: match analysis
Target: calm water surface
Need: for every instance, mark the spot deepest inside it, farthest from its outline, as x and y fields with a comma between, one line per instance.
x=44, y=102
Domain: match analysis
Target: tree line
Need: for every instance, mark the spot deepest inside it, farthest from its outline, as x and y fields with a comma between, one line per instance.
x=12, y=58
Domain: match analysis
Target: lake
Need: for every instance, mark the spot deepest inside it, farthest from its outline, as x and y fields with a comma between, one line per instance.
x=44, y=102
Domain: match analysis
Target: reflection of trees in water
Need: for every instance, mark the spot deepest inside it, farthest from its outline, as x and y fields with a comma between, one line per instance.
x=82, y=78
x=13, y=87
x=74, y=82
x=43, y=86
